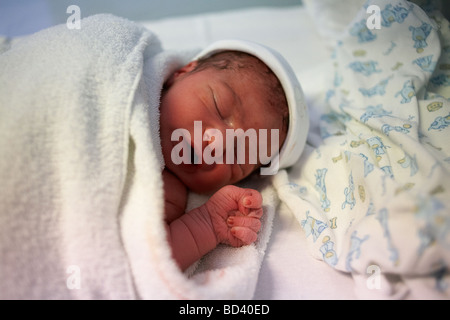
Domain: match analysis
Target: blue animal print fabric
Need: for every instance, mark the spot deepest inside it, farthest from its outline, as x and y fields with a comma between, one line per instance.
x=376, y=194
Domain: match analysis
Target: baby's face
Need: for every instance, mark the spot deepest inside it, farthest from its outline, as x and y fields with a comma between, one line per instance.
x=220, y=100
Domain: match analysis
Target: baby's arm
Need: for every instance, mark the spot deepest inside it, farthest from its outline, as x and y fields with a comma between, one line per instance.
x=230, y=216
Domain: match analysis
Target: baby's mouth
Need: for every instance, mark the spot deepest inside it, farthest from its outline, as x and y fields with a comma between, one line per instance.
x=193, y=155
x=195, y=159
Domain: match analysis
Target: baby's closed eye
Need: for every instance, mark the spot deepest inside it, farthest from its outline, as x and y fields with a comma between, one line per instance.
x=216, y=106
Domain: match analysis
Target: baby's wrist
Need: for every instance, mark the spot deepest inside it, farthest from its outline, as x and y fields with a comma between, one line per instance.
x=199, y=223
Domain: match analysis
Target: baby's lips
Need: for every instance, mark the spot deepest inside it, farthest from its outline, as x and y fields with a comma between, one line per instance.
x=199, y=154
x=209, y=160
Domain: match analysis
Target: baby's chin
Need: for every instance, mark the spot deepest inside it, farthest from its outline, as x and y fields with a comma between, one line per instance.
x=203, y=190
x=204, y=186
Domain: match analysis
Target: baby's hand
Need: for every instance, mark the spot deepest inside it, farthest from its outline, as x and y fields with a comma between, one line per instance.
x=235, y=214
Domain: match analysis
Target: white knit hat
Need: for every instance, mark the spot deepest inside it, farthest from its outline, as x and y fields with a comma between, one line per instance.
x=298, y=114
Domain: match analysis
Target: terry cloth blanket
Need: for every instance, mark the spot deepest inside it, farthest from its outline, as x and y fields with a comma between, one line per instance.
x=374, y=197
x=81, y=201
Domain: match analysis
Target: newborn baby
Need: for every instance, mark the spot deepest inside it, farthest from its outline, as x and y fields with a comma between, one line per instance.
x=224, y=90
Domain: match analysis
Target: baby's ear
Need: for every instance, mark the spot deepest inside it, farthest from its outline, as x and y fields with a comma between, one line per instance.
x=174, y=76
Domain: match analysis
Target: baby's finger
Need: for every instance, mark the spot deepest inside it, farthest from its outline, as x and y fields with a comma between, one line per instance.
x=242, y=221
x=255, y=213
x=251, y=200
x=246, y=235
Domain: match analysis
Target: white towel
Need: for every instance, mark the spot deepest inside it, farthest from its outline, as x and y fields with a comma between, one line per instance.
x=81, y=201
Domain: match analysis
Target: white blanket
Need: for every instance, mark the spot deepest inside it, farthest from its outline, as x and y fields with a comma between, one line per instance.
x=81, y=201
x=374, y=197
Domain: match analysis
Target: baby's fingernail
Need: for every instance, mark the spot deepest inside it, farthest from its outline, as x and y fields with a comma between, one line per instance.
x=247, y=202
x=230, y=221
